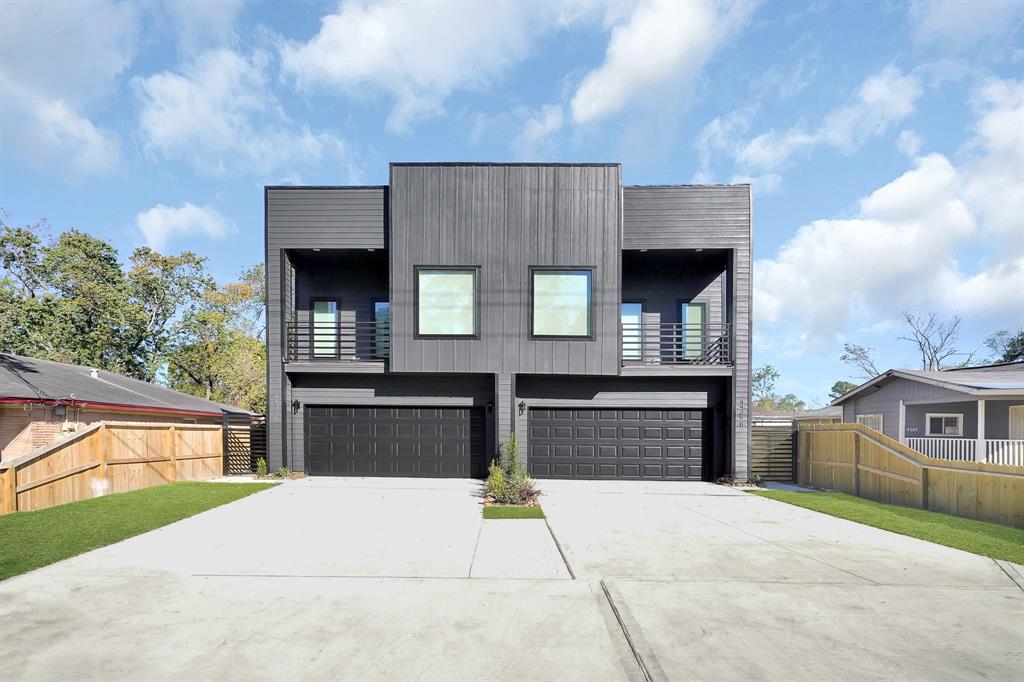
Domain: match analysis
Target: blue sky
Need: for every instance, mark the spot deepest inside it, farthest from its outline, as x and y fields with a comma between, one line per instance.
x=885, y=141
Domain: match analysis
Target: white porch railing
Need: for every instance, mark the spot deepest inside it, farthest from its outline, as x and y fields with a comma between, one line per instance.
x=1009, y=452
x=956, y=449
x=1005, y=452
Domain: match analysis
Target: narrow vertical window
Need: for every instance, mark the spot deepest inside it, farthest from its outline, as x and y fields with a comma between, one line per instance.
x=693, y=336
x=324, y=329
x=632, y=315
x=382, y=329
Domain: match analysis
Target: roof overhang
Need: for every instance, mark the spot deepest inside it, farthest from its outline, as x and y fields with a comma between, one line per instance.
x=111, y=406
x=872, y=385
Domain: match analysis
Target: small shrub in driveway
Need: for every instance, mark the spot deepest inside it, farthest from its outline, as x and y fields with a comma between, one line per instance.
x=507, y=482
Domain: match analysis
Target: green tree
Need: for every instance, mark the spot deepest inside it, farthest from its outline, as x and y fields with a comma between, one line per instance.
x=763, y=388
x=216, y=354
x=841, y=388
x=1005, y=346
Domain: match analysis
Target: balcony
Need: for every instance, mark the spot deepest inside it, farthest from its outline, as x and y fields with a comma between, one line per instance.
x=650, y=344
x=339, y=341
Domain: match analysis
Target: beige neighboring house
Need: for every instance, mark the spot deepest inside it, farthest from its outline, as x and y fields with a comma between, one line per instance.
x=41, y=401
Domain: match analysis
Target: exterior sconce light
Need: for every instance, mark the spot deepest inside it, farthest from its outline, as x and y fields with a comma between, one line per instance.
x=295, y=407
x=490, y=407
x=522, y=407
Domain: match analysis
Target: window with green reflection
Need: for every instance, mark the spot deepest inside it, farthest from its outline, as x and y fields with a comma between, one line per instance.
x=446, y=301
x=562, y=302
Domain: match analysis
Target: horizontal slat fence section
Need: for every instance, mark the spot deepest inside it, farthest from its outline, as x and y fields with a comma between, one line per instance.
x=771, y=450
x=111, y=457
x=854, y=459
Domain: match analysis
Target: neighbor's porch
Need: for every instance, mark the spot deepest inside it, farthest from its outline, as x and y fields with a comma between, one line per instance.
x=971, y=430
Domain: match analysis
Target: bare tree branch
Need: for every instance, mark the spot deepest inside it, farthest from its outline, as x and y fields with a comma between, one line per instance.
x=861, y=357
x=937, y=341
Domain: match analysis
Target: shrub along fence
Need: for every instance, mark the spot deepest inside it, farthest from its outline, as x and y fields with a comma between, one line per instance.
x=854, y=459
x=111, y=457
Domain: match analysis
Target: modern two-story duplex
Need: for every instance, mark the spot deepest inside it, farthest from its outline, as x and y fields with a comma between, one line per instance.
x=413, y=327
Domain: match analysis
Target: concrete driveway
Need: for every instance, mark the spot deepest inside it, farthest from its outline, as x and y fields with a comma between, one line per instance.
x=399, y=579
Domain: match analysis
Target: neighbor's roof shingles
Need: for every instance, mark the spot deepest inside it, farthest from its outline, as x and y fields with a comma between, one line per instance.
x=33, y=379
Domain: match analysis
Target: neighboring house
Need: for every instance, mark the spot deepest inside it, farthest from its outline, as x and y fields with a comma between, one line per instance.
x=41, y=401
x=413, y=327
x=974, y=413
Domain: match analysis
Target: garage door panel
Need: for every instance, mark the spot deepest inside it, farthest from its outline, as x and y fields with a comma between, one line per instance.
x=394, y=441
x=616, y=443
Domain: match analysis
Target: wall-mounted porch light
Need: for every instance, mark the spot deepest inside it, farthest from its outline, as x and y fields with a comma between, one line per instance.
x=522, y=407
x=490, y=407
x=295, y=407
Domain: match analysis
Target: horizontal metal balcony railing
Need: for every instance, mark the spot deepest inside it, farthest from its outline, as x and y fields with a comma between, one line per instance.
x=339, y=341
x=676, y=344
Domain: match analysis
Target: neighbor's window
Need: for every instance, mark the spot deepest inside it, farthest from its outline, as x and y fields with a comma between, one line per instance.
x=561, y=302
x=944, y=424
x=872, y=421
x=446, y=301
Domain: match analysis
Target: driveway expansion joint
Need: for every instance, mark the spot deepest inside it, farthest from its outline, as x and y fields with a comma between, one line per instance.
x=561, y=552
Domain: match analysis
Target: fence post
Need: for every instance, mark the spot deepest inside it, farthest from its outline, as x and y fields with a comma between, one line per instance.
x=104, y=440
x=856, y=464
x=224, y=445
x=8, y=491
x=172, y=449
x=924, y=487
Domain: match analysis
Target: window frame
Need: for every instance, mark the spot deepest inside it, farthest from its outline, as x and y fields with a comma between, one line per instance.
x=336, y=355
x=475, y=269
x=642, y=302
x=928, y=416
x=684, y=345
x=590, y=308
x=881, y=420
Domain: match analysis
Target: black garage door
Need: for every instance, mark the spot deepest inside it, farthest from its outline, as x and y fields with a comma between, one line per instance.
x=394, y=441
x=617, y=443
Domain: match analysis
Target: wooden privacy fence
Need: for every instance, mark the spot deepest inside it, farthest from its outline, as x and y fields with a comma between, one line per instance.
x=854, y=459
x=111, y=457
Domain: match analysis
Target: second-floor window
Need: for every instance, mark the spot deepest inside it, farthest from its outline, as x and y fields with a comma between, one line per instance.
x=446, y=301
x=561, y=302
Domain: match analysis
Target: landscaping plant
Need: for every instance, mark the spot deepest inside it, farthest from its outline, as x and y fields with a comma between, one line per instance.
x=507, y=481
x=261, y=468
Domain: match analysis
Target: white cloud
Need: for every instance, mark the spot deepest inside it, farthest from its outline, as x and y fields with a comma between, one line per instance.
x=909, y=142
x=662, y=44
x=883, y=99
x=535, y=134
x=161, y=224
x=904, y=247
x=202, y=22
x=419, y=53
x=219, y=115
x=57, y=58
x=957, y=24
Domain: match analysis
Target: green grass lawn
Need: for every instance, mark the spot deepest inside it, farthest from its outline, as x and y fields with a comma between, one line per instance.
x=30, y=540
x=512, y=512
x=988, y=539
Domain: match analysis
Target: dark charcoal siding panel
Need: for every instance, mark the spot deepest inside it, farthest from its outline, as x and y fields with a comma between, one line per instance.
x=685, y=217
x=440, y=442
x=303, y=218
x=611, y=443
x=505, y=219
x=388, y=390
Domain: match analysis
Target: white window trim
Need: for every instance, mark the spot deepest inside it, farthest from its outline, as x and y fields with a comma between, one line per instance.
x=928, y=425
x=881, y=422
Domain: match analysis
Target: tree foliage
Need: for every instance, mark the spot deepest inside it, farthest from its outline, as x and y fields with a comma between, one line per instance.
x=70, y=299
x=1005, y=346
x=841, y=388
x=861, y=357
x=763, y=388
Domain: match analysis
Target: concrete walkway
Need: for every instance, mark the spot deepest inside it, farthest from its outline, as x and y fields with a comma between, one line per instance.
x=397, y=579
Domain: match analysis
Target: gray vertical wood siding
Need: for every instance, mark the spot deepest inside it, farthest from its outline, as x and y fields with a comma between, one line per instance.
x=504, y=219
